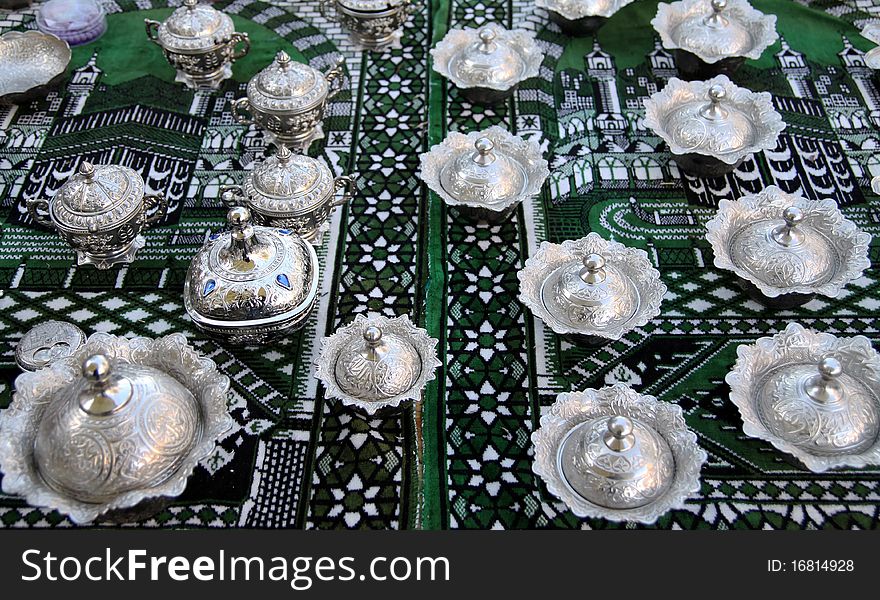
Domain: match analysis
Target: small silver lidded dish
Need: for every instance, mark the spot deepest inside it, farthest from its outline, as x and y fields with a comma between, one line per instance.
x=373, y=24
x=785, y=248
x=47, y=342
x=484, y=174
x=711, y=37
x=712, y=126
x=487, y=64
x=287, y=100
x=251, y=284
x=591, y=290
x=200, y=42
x=377, y=363
x=581, y=17
x=112, y=424
x=811, y=395
x=101, y=212
x=292, y=191
x=31, y=63
x=615, y=454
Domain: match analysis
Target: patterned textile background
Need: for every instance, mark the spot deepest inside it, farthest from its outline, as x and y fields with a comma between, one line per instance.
x=462, y=459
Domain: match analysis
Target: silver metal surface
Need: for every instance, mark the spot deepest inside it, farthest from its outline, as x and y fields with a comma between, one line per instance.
x=714, y=30
x=118, y=421
x=616, y=454
x=373, y=24
x=591, y=286
x=101, y=211
x=787, y=244
x=713, y=118
x=287, y=101
x=578, y=9
x=46, y=343
x=491, y=169
x=30, y=63
x=200, y=42
x=377, y=362
x=812, y=395
x=252, y=283
x=871, y=32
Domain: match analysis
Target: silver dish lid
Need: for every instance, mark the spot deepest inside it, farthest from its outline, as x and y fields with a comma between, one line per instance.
x=591, y=286
x=812, y=395
x=288, y=184
x=578, y=9
x=30, y=59
x=194, y=27
x=490, y=57
x=616, y=454
x=287, y=86
x=784, y=243
x=117, y=421
x=251, y=276
x=97, y=197
x=714, y=118
x=486, y=169
x=715, y=29
x=46, y=343
x=376, y=362
x=371, y=6
x=872, y=56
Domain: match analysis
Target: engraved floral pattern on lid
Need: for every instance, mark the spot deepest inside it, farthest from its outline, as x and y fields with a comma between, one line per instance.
x=288, y=183
x=195, y=26
x=578, y=9
x=287, y=85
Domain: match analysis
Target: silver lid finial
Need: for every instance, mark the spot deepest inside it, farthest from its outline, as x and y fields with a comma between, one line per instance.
x=593, y=271
x=825, y=387
x=487, y=37
x=619, y=437
x=788, y=234
x=714, y=111
x=484, y=154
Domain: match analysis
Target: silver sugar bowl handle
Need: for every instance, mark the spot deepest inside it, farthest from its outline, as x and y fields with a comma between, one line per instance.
x=348, y=185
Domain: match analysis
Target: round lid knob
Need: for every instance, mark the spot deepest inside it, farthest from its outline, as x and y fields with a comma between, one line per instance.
x=716, y=18
x=483, y=177
x=487, y=37
x=714, y=111
x=484, y=156
x=593, y=271
x=788, y=234
x=825, y=387
x=382, y=366
x=105, y=393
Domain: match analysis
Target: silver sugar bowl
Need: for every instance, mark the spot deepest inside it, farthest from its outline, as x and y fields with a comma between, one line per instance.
x=811, y=395
x=287, y=101
x=200, y=42
x=487, y=64
x=711, y=37
x=377, y=363
x=618, y=455
x=373, y=24
x=581, y=17
x=712, y=126
x=785, y=248
x=484, y=174
x=251, y=284
x=118, y=421
x=591, y=290
x=101, y=211
x=292, y=191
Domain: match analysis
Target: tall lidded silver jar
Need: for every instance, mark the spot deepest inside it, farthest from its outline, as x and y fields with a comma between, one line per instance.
x=581, y=17
x=373, y=24
x=200, y=42
x=101, y=211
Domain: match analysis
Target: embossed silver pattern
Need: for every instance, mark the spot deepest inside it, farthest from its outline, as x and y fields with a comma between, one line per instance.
x=812, y=395
x=616, y=454
x=373, y=24
x=30, y=62
x=46, y=343
x=578, y=9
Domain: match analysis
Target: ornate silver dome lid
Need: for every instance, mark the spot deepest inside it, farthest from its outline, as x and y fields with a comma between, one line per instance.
x=714, y=118
x=289, y=184
x=490, y=57
x=615, y=454
x=97, y=197
x=872, y=33
x=195, y=27
x=786, y=244
x=117, y=421
x=369, y=6
x=812, y=395
x=287, y=86
x=578, y=9
x=377, y=362
x=715, y=29
x=591, y=286
x=46, y=343
x=486, y=169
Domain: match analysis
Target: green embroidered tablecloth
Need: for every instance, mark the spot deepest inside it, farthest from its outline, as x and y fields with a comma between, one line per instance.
x=463, y=458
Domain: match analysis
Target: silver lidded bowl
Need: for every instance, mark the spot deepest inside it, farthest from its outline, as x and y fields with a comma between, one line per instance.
x=712, y=126
x=292, y=191
x=581, y=17
x=31, y=63
x=251, y=284
x=377, y=363
x=616, y=454
x=787, y=248
x=711, y=37
x=116, y=422
x=287, y=101
x=591, y=290
x=373, y=24
x=47, y=342
x=812, y=395
x=485, y=174
x=487, y=64
x=200, y=42
x=101, y=211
